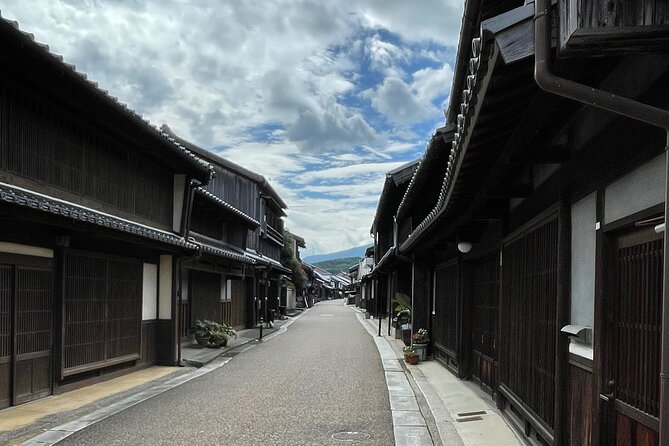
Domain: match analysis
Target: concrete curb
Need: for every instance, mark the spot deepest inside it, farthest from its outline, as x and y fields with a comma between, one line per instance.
x=58, y=433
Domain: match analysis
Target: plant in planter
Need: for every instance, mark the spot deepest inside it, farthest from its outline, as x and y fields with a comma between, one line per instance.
x=410, y=356
x=213, y=334
x=403, y=318
x=202, y=333
x=419, y=341
x=218, y=339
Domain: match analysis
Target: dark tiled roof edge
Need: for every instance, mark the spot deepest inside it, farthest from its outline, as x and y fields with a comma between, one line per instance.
x=33, y=200
x=228, y=206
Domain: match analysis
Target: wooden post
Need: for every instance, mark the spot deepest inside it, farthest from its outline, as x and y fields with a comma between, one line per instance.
x=58, y=349
x=563, y=310
x=664, y=363
x=389, y=301
x=598, y=378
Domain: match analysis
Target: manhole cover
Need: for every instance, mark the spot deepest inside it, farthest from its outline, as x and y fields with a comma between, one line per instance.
x=351, y=436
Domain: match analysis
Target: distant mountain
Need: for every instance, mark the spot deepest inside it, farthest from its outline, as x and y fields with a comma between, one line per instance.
x=337, y=265
x=352, y=252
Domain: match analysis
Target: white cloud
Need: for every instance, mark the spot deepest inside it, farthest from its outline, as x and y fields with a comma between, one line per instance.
x=342, y=173
x=396, y=100
x=430, y=83
x=435, y=20
x=384, y=56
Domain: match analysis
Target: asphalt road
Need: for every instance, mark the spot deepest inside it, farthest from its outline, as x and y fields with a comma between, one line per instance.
x=321, y=377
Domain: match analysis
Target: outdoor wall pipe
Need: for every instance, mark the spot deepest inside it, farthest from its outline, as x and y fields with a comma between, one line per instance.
x=185, y=232
x=622, y=106
x=192, y=185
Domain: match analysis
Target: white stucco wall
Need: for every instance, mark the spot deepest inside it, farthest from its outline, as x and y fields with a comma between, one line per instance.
x=165, y=288
x=150, y=292
x=636, y=191
x=583, y=234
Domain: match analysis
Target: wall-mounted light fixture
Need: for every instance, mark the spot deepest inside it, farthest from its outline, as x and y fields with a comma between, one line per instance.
x=464, y=247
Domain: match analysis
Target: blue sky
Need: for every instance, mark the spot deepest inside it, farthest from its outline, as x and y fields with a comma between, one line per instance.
x=321, y=97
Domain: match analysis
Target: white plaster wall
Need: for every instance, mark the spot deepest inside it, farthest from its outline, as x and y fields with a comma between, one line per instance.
x=165, y=288
x=150, y=292
x=26, y=250
x=636, y=191
x=290, y=298
x=583, y=220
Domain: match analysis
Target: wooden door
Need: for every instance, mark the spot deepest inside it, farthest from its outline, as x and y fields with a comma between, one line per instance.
x=26, y=312
x=444, y=315
x=205, y=296
x=635, y=321
x=485, y=318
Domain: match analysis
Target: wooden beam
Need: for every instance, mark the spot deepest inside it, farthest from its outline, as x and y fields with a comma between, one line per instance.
x=517, y=191
x=553, y=154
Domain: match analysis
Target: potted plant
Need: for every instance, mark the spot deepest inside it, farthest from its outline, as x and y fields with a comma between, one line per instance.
x=213, y=334
x=410, y=356
x=202, y=333
x=403, y=318
x=419, y=341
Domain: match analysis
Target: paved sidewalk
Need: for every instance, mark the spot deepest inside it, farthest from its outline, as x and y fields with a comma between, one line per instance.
x=462, y=413
x=20, y=422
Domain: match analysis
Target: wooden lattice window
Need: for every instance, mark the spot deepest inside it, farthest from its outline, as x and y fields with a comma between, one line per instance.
x=638, y=323
x=486, y=305
x=34, y=310
x=103, y=311
x=39, y=142
x=528, y=325
x=445, y=288
x=5, y=311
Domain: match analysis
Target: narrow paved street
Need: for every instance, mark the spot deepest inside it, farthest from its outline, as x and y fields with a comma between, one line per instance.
x=321, y=377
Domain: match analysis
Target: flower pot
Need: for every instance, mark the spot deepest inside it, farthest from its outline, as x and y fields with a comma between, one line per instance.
x=203, y=341
x=406, y=334
x=421, y=349
x=413, y=360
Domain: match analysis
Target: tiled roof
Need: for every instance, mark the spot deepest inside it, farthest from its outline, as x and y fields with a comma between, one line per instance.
x=210, y=246
x=227, y=206
x=385, y=260
x=390, y=185
x=259, y=258
x=139, y=119
x=420, y=175
x=33, y=200
x=467, y=96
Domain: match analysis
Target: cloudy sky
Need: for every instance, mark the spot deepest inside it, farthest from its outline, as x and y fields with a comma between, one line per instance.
x=321, y=97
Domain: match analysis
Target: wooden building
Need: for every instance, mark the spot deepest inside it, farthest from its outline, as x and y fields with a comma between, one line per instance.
x=218, y=284
x=391, y=273
x=543, y=246
x=93, y=206
x=236, y=219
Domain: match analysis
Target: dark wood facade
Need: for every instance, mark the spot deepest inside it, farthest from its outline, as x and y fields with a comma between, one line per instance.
x=559, y=205
x=237, y=218
x=92, y=202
